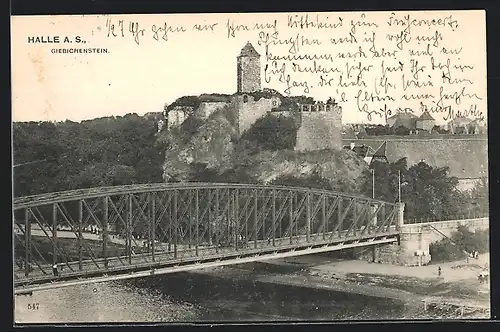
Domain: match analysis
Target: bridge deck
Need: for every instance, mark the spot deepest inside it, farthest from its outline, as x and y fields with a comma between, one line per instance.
x=265, y=222
x=185, y=256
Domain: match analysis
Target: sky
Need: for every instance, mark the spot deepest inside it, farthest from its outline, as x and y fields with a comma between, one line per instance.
x=140, y=76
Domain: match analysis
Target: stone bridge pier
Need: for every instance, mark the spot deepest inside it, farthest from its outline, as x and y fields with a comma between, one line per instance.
x=412, y=248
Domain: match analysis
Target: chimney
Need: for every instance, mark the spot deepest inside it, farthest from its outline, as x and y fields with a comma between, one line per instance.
x=353, y=145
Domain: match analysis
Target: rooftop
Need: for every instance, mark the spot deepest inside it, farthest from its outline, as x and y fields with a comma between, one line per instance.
x=466, y=158
x=406, y=121
x=426, y=116
x=249, y=50
x=461, y=121
x=404, y=115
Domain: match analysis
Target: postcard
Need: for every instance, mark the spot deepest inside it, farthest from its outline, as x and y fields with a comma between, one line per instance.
x=244, y=167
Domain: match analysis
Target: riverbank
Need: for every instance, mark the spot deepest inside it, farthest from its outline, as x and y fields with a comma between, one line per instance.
x=455, y=293
x=296, y=289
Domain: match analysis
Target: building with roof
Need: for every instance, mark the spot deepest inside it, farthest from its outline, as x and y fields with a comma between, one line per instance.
x=319, y=123
x=248, y=70
x=390, y=120
x=369, y=154
x=403, y=119
x=466, y=158
x=425, y=122
x=460, y=125
x=476, y=128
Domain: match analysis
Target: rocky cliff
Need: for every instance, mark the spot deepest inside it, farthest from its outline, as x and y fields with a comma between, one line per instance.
x=214, y=142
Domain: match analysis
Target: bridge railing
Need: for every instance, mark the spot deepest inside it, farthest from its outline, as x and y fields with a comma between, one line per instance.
x=470, y=216
x=146, y=223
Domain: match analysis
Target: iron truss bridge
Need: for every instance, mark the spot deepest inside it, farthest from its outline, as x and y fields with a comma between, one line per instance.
x=110, y=233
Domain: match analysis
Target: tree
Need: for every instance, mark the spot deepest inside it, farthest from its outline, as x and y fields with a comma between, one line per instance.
x=273, y=132
x=378, y=130
x=312, y=181
x=429, y=193
x=201, y=173
x=386, y=180
x=461, y=243
x=190, y=127
x=400, y=131
x=432, y=194
x=477, y=199
x=103, y=151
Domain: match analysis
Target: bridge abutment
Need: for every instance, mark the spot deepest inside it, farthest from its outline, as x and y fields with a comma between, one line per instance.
x=396, y=254
x=411, y=249
x=414, y=242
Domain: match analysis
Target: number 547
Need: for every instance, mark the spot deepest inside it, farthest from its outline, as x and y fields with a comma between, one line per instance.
x=33, y=306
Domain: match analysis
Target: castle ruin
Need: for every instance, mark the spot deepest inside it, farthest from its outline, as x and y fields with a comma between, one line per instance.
x=319, y=122
x=248, y=70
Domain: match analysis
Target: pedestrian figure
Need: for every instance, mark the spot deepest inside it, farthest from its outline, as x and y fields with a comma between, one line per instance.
x=268, y=240
x=439, y=271
x=54, y=270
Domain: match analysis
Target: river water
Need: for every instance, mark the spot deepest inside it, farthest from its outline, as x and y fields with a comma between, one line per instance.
x=191, y=297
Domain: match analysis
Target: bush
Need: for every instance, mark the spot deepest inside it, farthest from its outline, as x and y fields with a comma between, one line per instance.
x=464, y=241
x=273, y=132
x=190, y=127
x=378, y=130
x=228, y=112
x=264, y=93
x=195, y=101
x=399, y=131
x=445, y=251
x=312, y=181
x=201, y=173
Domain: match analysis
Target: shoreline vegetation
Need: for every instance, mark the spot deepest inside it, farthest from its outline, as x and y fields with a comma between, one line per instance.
x=457, y=293
x=132, y=150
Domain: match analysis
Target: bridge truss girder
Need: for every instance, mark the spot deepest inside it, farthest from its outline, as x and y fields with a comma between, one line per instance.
x=142, y=229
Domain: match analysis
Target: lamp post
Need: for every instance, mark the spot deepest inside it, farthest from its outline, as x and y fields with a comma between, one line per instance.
x=373, y=183
x=399, y=186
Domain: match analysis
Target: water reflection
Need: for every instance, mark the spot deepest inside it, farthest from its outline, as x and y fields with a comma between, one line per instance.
x=201, y=297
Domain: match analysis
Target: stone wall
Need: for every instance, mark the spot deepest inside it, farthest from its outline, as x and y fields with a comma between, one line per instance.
x=319, y=130
x=177, y=116
x=248, y=74
x=467, y=157
x=444, y=227
x=425, y=125
x=414, y=241
x=393, y=253
x=251, y=110
x=208, y=108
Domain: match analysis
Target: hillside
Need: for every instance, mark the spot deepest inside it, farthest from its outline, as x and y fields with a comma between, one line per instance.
x=214, y=144
x=109, y=151
x=66, y=155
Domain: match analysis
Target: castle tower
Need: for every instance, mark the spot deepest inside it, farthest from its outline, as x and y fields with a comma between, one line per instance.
x=248, y=63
